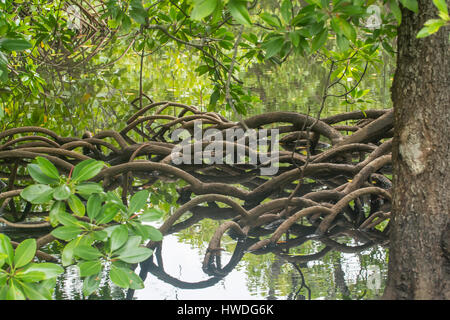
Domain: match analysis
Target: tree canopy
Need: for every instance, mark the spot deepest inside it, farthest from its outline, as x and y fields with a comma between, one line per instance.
x=50, y=49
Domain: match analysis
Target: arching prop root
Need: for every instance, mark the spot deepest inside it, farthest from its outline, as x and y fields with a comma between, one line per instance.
x=339, y=186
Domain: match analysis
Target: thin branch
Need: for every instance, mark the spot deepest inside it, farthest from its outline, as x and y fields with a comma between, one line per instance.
x=228, y=96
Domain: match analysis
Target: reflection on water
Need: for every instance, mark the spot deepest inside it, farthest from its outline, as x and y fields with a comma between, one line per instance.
x=246, y=276
x=270, y=276
x=183, y=277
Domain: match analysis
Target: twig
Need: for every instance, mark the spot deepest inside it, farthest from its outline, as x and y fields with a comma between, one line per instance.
x=303, y=285
x=228, y=96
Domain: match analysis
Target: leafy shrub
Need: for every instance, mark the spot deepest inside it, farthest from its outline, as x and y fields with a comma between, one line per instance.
x=96, y=226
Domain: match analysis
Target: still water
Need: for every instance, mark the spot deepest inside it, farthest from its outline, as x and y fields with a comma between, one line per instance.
x=265, y=277
x=336, y=276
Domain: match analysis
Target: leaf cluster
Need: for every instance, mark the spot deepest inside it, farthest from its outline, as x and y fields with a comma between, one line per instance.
x=20, y=277
x=98, y=229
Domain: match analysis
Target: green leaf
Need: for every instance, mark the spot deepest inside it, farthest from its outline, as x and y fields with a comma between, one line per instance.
x=203, y=68
x=3, y=75
x=286, y=10
x=119, y=276
x=137, y=12
x=100, y=235
x=88, y=268
x=252, y=38
x=351, y=10
x=113, y=198
x=319, y=40
x=88, y=188
x=151, y=214
x=14, y=44
x=345, y=27
x=303, y=19
x=411, y=5
x=87, y=252
x=15, y=291
x=24, y=253
x=47, y=167
x=238, y=9
x=62, y=192
x=31, y=276
x=67, y=252
x=393, y=5
x=433, y=25
x=140, y=229
x=132, y=244
x=46, y=270
x=76, y=205
x=388, y=47
x=36, y=173
x=107, y=213
x=94, y=205
x=203, y=8
x=135, y=255
x=90, y=284
x=3, y=257
x=3, y=283
x=118, y=237
x=57, y=208
x=6, y=248
x=133, y=241
x=67, y=232
x=214, y=97
x=126, y=23
x=295, y=38
x=138, y=201
x=109, y=230
x=441, y=5
x=273, y=47
x=37, y=193
x=424, y=32
x=48, y=284
x=68, y=220
x=3, y=291
x=342, y=43
x=125, y=278
x=34, y=292
x=136, y=282
x=217, y=14
x=271, y=19
x=154, y=234
x=86, y=170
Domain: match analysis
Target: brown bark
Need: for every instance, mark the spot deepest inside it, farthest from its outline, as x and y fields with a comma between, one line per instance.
x=419, y=265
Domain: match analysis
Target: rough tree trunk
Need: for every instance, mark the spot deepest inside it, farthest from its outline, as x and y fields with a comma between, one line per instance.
x=419, y=258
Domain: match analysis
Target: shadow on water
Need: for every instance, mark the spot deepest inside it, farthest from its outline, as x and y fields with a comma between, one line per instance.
x=305, y=267
x=326, y=268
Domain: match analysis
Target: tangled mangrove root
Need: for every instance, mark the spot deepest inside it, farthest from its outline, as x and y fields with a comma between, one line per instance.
x=331, y=179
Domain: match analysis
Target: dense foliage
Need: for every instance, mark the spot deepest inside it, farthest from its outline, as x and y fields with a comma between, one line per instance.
x=60, y=59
